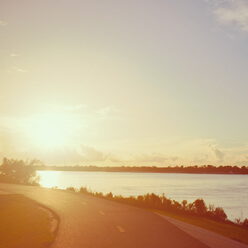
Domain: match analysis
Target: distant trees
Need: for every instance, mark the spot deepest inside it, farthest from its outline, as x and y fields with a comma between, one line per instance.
x=205, y=169
x=19, y=171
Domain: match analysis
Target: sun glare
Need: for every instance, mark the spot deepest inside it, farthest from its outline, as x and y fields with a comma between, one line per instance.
x=50, y=131
x=49, y=179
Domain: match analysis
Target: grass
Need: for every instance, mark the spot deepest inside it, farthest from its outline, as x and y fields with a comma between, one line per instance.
x=23, y=223
x=228, y=230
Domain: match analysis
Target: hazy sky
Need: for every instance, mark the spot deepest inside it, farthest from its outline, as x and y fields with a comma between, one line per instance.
x=121, y=82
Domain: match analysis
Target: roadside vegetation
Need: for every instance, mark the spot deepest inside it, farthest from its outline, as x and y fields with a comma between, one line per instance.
x=23, y=223
x=19, y=171
x=196, y=213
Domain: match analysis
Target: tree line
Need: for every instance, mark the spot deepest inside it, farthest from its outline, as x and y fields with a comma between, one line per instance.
x=204, y=169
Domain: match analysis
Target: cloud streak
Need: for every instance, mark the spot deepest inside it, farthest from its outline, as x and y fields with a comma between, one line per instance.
x=17, y=70
x=14, y=55
x=3, y=23
x=70, y=108
x=154, y=158
x=218, y=154
x=91, y=154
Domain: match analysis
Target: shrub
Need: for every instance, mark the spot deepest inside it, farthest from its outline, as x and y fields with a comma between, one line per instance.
x=71, y=189
x=200, y=206
x=184, y=204
x=83, y=190
x=18, y=171
x=220, y=213
x=245, y=223
x=109, y=195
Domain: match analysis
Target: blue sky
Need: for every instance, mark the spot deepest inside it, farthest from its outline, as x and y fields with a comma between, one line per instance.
x=124, y=82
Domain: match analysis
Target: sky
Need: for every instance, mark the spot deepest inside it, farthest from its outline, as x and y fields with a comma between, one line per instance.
x=124, y=83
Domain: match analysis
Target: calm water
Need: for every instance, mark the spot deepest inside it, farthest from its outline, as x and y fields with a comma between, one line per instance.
x=227, y=191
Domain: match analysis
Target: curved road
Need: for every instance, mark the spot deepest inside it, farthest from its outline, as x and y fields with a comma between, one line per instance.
x=90, y=222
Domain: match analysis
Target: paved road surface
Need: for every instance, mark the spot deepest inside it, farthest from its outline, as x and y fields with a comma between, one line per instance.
x=90, y=222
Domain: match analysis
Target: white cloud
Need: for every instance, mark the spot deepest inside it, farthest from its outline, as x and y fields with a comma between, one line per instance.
x=58, y=156
x=101, y=114
x=242, y=160
x=241, y=163
x=218, y=154
x=8, y=124
x=154, y=158
x=113, y=158
x=203, y=159
x=14, y=55
x=232, y=13
x=90, y=154
x=107, y=112
x=3, y=23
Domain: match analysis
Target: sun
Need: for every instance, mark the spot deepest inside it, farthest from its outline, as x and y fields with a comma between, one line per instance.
x=49, y=131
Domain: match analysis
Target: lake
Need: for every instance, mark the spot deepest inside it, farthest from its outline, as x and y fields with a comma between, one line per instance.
x=227, y=191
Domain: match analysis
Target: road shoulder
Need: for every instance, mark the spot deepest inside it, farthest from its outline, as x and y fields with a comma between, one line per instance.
x=209, y=238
